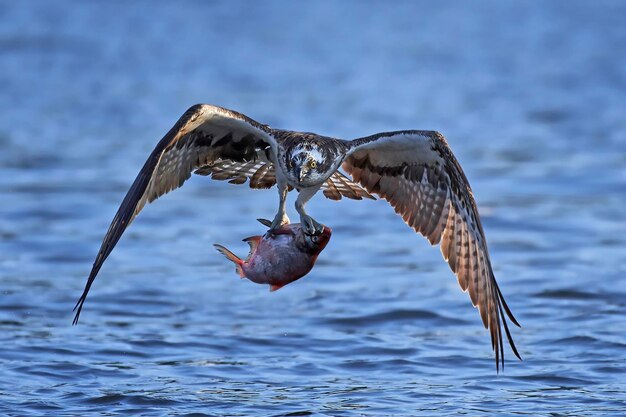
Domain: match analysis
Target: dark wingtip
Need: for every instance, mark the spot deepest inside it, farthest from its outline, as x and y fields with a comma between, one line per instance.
x=502, y=308
x=506, y=307
x=83, y=297
x=508, y=335
x=79, y=305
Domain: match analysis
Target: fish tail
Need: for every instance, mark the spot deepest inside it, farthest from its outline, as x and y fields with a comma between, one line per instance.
x=231, y=257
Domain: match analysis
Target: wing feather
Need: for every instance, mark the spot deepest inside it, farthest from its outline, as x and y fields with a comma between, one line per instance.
x=416, y=172
x=263, y=177
x=338, y=186
x=204, y=135
x=331, y=191
x=227, y=170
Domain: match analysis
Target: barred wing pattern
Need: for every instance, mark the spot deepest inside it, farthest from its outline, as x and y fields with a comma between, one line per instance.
x=204, y=135
x=260, y=173
x=416, y=172
x=263, y=175
x=338, y=185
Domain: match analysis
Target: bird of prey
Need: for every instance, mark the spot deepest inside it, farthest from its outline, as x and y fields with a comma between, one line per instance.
x=414, y=170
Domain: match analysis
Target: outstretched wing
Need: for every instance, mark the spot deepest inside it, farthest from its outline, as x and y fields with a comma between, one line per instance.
x=420, y=177
x=205, y=136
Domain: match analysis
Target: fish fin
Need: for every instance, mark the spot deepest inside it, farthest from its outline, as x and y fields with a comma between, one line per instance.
x=253, y=241
x=275, y=287
x=265, y=222
x=231, y=257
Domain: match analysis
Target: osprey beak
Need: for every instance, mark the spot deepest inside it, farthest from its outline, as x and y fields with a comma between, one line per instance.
x=302, y=171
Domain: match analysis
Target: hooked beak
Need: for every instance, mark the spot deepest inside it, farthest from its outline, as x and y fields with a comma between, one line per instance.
x=302, y=171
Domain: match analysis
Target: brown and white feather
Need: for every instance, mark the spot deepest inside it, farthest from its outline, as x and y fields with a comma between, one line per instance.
x=416, y=172
x=205, y=135
x=338, y=186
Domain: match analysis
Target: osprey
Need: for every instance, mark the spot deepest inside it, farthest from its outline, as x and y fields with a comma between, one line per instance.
x=414, y=170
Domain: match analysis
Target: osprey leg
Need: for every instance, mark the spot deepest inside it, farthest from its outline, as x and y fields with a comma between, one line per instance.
x=310, y=226
x=281, y=218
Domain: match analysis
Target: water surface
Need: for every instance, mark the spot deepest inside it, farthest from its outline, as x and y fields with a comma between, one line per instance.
x=531, y=99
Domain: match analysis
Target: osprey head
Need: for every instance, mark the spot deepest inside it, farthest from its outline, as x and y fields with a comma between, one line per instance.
x=306, y=166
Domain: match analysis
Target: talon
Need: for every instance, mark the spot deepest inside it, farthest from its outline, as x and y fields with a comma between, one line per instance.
x=311, y=227
x=279, y=221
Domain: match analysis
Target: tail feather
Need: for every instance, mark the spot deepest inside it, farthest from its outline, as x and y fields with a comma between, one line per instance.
x=231, y=257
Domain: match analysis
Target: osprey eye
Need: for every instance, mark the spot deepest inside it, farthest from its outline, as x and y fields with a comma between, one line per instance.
x=313, y=164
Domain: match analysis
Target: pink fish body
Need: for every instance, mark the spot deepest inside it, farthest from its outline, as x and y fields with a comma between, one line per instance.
x=281, y=257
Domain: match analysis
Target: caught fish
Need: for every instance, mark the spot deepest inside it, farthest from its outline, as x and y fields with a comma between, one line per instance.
x=283, y=256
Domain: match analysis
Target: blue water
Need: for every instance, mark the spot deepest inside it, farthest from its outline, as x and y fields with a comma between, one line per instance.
x=532, y=98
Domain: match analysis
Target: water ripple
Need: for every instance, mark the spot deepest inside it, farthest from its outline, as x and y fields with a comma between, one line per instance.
x=530, y=98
